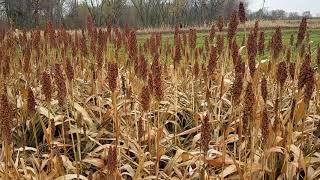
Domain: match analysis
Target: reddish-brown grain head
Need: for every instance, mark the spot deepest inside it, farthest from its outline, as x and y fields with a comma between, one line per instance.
x=264, y=88
x=212, y=32
x=60, y=82
x=277, y=43
x=6, y=118
x=196, y=69
x=192, y=38
x=309, y=86
x=232, y=27
x=46, y=86
x=69, y=70
x=282, y=73
x=143, y=67
x=145, y=98
x=212, y=64
x=112, y=75
x=305, y=70
x=292, y=69
x=302, y=31
x=261, y=45
x=112, y=160
x=157, y=78
x=205, y=134
x=242, y=12
x=235, y=52
x=220, y=44
x=249, y=100
x=140, y=128
x=220, y=24
x=31, y=102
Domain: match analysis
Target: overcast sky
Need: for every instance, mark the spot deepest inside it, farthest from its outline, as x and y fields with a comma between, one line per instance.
x=288, y=5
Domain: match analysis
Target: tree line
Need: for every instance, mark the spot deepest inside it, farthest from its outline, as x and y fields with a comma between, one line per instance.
x=137, y=13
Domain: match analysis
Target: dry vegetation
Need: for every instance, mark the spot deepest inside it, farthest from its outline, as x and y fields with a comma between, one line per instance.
x=263, y=25
x=98, y=105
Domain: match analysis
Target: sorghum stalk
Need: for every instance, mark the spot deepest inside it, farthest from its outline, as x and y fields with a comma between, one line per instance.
x=112, y=78
x=205, y=138
x=145, y=103
x=70, y=76
x=6, y=117
x=177, y=59
x=62, y=90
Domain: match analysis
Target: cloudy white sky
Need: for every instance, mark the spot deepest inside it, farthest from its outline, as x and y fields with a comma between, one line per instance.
x=288, y=5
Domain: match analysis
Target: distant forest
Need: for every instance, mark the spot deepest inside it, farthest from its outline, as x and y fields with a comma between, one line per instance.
x=26, y=14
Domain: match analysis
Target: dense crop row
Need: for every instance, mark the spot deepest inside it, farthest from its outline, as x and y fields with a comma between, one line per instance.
x=97, y=104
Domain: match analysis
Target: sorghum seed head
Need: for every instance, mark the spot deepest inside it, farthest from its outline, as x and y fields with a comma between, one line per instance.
x=132, y=45
x=140, y=128
x=205, y=134
x=261, y=43
x=282, y=73
x=232, y=27
x=69, y=70
x=192, y=38
x=302, y=31
x=304, y=71
x=242, y=12
x=238, y=82
x=31, y=102
x=150, y=83
x=220, y=44
x=112, y=160
x=309, y=86
x=143, y=67
x=145, y=98
x=235, y=52
x=252, y=45
x=302, y=50
x=264, y=88
x=277, y=43
x=292, y=69
x=220, y=23
x=252, y=65
x=157, y=79
x=60, y=82
x=6, y=118
x=196, y=69
x=212, y=32
x=249, y=101
x=212, y=64
x=112, y=75
x=46, y=86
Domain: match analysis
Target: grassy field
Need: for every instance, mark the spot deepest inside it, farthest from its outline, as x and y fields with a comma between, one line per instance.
x=314, y=39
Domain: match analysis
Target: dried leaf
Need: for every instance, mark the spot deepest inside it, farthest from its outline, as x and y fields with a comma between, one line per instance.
x=229, y=170
x=95, y=161
x=84, y=114
x=299, y=112
x=71, y=177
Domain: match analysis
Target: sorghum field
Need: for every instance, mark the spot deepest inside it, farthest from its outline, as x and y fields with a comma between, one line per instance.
x=107, y=103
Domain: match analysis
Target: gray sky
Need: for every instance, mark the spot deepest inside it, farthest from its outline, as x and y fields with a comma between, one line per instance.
x=288, y=5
